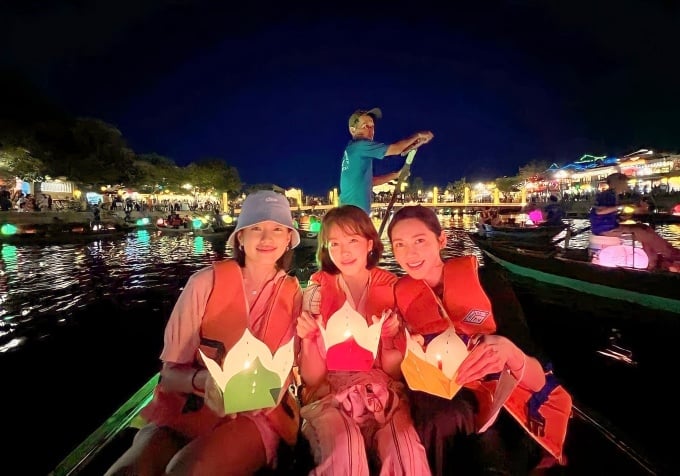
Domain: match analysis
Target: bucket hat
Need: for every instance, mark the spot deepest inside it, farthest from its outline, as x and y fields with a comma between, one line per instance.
x=265, y=205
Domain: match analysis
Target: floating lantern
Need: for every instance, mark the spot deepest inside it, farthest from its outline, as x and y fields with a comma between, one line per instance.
x=536, y=216
x=8, y=229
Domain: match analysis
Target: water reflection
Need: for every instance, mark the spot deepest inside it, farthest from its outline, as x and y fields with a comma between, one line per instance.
x=40, y=286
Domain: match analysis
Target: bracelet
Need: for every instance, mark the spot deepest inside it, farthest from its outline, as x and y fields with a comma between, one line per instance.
x=522, y=368
x=193, y=382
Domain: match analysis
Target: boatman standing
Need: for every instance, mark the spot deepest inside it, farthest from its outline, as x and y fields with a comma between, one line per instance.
x=356, y=173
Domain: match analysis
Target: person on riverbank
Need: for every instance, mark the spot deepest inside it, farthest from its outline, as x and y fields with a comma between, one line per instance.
x=350, y=415
x=604, y=220
x=187, y=431
x=436, y=295
x=356, y=171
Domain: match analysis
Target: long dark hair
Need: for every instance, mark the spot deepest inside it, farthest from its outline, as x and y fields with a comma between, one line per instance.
x=353, y=220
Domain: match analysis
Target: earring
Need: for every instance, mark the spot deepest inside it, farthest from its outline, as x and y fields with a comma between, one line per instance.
x=241, y=247
x=288, y=248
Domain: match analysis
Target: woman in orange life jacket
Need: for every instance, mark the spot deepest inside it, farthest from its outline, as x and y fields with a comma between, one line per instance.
x=354, y=406
x=436, y=295
x=187, y=431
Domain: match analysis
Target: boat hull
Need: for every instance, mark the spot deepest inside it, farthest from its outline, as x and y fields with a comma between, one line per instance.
x=657, y=290
x=530, y=235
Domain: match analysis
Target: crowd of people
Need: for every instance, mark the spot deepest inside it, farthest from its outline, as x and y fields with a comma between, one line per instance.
x=24, y=202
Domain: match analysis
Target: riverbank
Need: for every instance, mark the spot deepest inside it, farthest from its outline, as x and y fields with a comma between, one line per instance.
x=69, y=216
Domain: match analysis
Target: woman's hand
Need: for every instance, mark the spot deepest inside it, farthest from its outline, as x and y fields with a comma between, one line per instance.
x=490, y=355
x=307, y=327
x=390, y=326
x=213, y=397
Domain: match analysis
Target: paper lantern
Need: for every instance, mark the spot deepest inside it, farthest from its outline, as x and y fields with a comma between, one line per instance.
x=623, y=255
x=433, y=369
x=251, y=377
x=351, y=343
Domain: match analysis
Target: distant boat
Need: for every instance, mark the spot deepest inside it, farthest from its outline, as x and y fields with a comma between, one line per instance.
x=528, y=234
x=656, y=290
x=59, y=232
x=186, y=225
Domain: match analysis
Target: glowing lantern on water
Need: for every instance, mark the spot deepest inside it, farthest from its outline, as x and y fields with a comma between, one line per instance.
x=8, y=229
x=196, y=223
x=536, y=216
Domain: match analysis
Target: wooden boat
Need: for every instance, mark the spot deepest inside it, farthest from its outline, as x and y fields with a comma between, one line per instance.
x=534, y=234
x=195, y=226
x=594, y=445
x=59, y=233
x=591, y=444
x=571, y=268
x=216, y=233
x=309, y=227
x=308, y=239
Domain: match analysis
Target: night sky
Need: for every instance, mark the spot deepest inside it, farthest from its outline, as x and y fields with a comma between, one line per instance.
x=269, y=88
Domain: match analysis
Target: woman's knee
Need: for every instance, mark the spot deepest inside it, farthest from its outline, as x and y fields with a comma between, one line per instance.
x=332, y=438
x=151, y=450
x=236, y=444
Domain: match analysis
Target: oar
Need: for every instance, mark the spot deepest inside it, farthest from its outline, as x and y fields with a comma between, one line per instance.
x=405, y=170
x=569, y=234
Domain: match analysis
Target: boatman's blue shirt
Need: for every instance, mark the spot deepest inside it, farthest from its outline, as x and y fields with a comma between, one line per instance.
x=356, y=172
x=600, y=224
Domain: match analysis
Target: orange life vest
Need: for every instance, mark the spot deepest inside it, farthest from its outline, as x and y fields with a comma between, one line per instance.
x=467, y=307
x=381, y=296
x=381, y=292
x=223, y=324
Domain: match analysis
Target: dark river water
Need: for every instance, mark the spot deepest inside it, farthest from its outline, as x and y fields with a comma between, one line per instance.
x=81, y=328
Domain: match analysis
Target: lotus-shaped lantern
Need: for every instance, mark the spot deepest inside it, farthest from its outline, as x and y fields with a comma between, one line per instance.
x=251, y=377
x=351, y=343
x=433, y=370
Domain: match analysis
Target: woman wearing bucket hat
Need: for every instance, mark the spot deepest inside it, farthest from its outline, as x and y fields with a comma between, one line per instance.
x=187, y=431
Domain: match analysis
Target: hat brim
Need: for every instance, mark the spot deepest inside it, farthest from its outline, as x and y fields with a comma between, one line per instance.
x=375, y=113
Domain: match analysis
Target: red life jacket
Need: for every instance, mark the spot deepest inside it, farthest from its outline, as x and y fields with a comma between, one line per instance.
x=467, y=306
x=381, y=292
x=469, y=310
x=223, y=324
